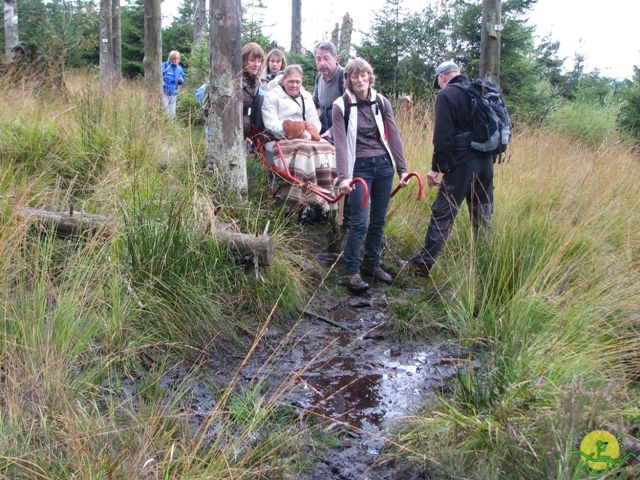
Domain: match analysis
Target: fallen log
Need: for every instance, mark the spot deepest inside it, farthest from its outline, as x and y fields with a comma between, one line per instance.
x=65, y=224
x=68, y=224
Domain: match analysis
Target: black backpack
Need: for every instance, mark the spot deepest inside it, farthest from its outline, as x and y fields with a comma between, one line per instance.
x=491, y=123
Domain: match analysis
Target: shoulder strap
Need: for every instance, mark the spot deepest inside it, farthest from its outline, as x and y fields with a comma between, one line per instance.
x=380, y=104
x=347, y=110
x=348, y=104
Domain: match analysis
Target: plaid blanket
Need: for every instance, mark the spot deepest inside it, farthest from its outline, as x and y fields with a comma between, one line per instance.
x=312, y=162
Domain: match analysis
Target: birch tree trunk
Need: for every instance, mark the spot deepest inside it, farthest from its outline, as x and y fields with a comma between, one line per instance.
x=116, y=34
x=296, y=27
x=490, y=40
x=106, y=44
x=226, y=152
x=152, y=50
x=10, y=28
x=199, y=22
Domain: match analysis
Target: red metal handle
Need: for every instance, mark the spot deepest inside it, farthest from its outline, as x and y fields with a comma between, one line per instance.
x=420, y=184
x=365, y=196
x=316, y=190
x=285, y=173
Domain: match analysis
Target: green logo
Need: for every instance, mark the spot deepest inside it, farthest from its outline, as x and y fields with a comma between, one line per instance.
x=600, y=452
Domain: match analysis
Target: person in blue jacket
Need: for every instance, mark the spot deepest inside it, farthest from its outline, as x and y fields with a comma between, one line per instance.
x=172, y=77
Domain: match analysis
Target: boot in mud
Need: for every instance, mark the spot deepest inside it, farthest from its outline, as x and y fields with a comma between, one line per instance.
x=357, y=285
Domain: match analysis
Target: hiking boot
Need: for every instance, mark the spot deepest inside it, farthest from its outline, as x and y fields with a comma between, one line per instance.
x=356, y=284
x=377, y=273
x=419, y=266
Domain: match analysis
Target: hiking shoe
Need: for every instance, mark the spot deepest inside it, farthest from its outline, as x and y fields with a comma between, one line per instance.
x=356, y=284
x=420, y=268
x=377, y=273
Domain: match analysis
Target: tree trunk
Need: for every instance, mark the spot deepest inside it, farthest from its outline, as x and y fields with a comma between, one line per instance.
x=490, y=40
x=83, y=224
x=226, y=153
x=10, y=28
x=106, y=44
x=345, y=39
x=335, y=35
x=199, y=22
x=152, y=49
x=296, y=27
x=116, y=33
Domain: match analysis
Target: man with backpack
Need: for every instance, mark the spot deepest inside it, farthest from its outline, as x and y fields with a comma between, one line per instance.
x=467, y=173
x=329, y=83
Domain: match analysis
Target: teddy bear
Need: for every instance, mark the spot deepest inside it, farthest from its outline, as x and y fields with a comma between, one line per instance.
x=300, y=129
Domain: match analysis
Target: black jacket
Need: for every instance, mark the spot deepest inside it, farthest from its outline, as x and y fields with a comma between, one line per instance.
x=452, y=117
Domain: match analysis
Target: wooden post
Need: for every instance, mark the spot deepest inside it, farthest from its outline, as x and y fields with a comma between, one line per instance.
x=116, y=34
x=490, y=40
x=106, y=44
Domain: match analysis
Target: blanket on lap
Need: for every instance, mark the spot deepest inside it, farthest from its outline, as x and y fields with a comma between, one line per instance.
x=312, y=162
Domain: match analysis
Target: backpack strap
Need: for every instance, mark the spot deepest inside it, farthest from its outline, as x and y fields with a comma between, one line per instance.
x=360, y=103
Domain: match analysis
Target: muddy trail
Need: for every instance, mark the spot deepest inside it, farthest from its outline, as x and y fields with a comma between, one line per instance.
x=356, y=377
x=342, y=368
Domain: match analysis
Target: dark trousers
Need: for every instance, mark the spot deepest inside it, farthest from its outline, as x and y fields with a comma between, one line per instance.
x=471, y=181
x=369, y=221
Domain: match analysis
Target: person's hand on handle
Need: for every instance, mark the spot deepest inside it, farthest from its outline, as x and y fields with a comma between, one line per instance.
x=345, y=186
x=404, y=178
x=433, y=178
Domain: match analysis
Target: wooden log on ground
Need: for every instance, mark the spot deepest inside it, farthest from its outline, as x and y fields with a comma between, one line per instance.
x=67, y=224
x=64, y=224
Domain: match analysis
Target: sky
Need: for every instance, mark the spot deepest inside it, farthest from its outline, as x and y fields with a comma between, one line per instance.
x=606, y=33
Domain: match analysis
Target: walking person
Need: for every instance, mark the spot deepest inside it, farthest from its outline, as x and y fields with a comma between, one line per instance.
x=368, y=146
x=172, y=77
x=467, y=174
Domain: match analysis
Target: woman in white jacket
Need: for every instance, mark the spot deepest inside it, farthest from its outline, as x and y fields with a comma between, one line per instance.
x=288, y=112
x=289, y=101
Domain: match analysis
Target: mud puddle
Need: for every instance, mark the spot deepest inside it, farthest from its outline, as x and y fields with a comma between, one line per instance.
x=349, y=373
